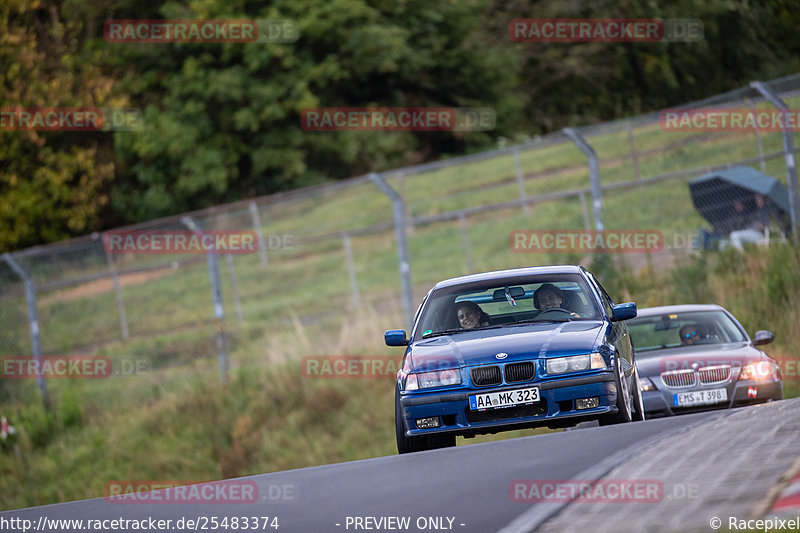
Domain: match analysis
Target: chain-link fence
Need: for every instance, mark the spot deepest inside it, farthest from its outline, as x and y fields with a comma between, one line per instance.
x=329, y=253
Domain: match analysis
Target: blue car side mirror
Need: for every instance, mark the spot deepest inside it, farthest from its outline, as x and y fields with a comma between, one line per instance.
x=395, y=337
x=623, y=311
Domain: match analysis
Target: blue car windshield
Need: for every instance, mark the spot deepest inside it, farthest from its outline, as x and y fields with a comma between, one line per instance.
x=498, y=303
x=682, y=329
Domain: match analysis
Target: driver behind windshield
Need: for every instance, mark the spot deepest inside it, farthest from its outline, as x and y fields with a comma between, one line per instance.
x=697, y=334
x=548, y=296
x=470, y=315
x=688, y=334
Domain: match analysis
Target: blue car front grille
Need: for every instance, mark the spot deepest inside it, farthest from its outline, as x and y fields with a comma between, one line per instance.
x=483, y=376
x=516, y=372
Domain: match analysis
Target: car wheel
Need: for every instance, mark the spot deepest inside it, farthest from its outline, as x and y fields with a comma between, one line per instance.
x=624, y=402
x=638, y=404
x=416, y=444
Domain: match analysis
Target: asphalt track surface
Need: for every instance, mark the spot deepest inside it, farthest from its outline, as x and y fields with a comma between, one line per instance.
x=466, y=484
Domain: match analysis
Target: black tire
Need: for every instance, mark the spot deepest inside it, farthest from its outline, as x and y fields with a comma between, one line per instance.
x=624, y=412
x=638, y=404
x=416, y=444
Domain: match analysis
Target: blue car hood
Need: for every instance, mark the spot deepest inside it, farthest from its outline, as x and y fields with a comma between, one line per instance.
x=522, y=342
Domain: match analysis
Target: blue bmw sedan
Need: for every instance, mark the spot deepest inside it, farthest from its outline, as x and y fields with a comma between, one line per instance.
x=511, y=349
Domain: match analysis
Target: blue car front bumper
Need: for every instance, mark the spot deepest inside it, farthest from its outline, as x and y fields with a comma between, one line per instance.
x=555, y=407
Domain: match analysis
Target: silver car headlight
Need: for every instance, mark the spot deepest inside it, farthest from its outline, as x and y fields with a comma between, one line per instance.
x=427, y=380
x=646, y=385
x=575, y=363
x=759, y=371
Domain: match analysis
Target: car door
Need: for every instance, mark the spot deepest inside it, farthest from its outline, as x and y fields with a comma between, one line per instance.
x=617, y=334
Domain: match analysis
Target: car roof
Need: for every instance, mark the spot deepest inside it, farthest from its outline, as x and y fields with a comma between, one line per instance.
x=686, y=308
x=510, y=273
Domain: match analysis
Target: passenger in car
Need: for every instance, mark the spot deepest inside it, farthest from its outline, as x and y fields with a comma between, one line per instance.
x=470, y=315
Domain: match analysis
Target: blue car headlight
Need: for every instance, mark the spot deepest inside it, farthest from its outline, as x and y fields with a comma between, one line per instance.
x=427, y=380
x=575, y=363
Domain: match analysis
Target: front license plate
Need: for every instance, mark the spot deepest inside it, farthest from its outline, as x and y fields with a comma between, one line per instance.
x=506, y=398
x=703, y=397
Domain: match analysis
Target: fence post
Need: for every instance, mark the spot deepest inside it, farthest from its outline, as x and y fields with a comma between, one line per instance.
x=406, y=206
x=33, y=322
x=402, y=246
x=634, y=153
x=584, y=211
x=237, y=302
x=788, y=151
x=758, y=137
x=520, y=182
x=351, y=269
x=262, y=245
x=216, y=297
x=112, y=268
x=594, y=175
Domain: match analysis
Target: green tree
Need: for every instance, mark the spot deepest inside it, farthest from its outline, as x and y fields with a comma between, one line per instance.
x=52, y=184
x=222, y=121
x=572, y=84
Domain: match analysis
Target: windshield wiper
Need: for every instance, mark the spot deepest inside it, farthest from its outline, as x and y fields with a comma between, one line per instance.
x=542, y=320
x=444, y=332
x=457, y=330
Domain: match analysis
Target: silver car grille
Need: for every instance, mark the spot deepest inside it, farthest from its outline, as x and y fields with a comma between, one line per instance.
x=706, y=375
x=678, y=378
x=714, y=374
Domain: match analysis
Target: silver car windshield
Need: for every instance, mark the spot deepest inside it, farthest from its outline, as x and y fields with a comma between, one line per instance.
x=673, y=330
